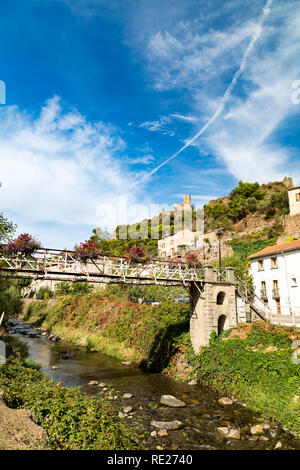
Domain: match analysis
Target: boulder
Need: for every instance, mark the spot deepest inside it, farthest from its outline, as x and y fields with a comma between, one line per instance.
x=172, y=402
x=228, y=433
x=278, y=445
x=93, y=382
x=168, y=425
x=192, y=382
x=225, y=401
x=162, y=433
x=256, y=429
x=127, y=409
x=127, y=395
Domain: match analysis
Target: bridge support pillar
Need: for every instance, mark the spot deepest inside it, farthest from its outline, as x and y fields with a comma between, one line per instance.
x=213, y=306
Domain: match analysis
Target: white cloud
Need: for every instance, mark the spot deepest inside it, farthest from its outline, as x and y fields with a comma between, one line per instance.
x=184, y=118
x=245, y=136
x=161, y=126
x=143, y=159
x=188, y=59
x=57, y=170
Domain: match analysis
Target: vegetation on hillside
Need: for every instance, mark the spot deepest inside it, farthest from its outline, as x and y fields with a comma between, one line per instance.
x=270, y=200
x=118, y=247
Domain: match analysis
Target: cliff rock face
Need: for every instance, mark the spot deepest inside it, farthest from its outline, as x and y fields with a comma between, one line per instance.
x=288, y=182
x=292, y=225
x=252, y=223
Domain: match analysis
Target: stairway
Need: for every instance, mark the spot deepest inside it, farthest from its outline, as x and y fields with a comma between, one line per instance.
x=255, y=303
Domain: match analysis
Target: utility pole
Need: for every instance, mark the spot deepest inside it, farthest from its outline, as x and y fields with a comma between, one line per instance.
x=219, y=235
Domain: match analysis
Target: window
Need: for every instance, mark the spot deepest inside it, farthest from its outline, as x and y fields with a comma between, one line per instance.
x=263, y=289
x=275, y=289
x=298, y=197
x=261, y=265
x=274, y=263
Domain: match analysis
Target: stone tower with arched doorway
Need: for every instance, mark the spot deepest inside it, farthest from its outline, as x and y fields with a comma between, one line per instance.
x=213, y=306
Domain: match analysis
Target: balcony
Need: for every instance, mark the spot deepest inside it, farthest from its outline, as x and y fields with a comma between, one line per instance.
x=276, y=294
x=263, y=294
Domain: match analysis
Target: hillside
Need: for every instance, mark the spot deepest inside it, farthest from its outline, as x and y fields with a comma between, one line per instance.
x=250, y=212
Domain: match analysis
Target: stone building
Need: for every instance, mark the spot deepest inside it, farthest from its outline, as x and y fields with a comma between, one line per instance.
x=294, y=200
x=177, y=244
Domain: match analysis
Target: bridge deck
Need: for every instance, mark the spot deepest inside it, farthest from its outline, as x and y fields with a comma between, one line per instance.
x=62, y=265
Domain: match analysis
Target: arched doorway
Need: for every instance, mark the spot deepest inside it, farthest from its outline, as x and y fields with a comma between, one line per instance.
x=220, y=298
x=222, y=323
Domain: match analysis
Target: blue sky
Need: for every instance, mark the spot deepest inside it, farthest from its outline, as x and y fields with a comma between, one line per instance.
x=100, y=93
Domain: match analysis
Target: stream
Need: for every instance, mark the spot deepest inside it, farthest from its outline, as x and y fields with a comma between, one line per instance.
x=201, y=416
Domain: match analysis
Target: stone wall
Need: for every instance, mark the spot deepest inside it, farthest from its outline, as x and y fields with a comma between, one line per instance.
x=213, y=306
x=292, y=225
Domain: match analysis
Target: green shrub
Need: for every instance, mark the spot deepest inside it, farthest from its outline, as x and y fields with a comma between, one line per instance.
x=42, y=291
x=267, y=381
x=10, y=298
x=72, y=420
x=73, y=288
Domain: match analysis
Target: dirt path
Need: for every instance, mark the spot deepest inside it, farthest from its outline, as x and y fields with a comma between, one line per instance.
x=18, y=429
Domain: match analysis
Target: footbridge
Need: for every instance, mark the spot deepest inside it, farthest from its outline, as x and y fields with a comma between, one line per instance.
x=218, y=301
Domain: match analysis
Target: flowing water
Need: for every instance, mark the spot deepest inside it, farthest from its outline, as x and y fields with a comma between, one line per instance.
x=201, y=417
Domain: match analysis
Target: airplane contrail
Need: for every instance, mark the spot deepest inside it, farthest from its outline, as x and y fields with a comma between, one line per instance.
x=226, y=96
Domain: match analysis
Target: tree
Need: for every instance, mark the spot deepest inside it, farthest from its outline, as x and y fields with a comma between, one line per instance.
x=7, y=228
x=100, y=234
x=246, y=190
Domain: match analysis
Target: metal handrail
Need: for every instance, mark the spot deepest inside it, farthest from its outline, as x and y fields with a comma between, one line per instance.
x=252, y=298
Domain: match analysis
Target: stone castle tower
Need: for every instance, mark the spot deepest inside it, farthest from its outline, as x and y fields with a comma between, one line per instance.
x=185, y=205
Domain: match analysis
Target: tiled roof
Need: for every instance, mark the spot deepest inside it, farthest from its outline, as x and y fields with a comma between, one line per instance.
x=270, y=250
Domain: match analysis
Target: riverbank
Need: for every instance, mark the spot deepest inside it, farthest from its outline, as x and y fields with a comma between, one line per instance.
x=38, y=414
x=253, y=363
x=124, y=329
x=144, y=403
